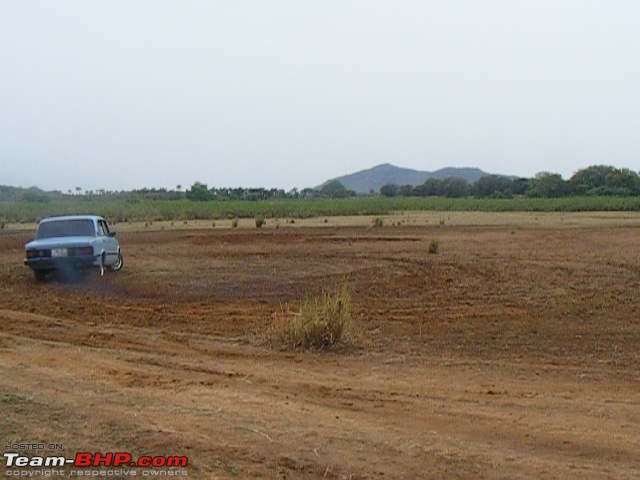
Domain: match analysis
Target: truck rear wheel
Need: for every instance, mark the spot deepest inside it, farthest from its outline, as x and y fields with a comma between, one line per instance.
x=41, y=275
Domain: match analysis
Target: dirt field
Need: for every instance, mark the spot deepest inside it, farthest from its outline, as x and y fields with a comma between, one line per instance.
x=512, y=353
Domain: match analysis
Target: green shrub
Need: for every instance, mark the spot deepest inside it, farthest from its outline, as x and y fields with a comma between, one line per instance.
x=260, y=221
x=320, y=323
x=234, y=223
x=378, y=222
x=434, y=246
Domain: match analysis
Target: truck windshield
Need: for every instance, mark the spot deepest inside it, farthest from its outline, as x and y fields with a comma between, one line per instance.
x=66, y=228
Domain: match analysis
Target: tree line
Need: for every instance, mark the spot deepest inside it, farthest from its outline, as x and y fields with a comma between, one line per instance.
x=600, y=180
x=594, y=180
x=332, y=189
x=198, y=191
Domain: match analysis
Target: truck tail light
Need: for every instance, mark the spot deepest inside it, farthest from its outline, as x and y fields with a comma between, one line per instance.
x=83, y=251
x=38, y=253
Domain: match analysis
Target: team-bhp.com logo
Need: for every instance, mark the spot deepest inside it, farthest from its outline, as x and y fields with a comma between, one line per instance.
x=84, y=459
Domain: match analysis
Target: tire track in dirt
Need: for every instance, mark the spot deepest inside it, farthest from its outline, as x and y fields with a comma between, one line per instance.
x=488, y=360
x=316, y=410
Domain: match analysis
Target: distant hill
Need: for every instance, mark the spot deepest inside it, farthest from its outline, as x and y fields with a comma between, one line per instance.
x=373, y=178
x=9, y=193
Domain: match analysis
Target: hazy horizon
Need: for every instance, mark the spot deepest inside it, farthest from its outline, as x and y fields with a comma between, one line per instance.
x=284, y=93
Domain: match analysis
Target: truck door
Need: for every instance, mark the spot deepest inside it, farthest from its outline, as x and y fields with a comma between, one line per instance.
x=110, y=243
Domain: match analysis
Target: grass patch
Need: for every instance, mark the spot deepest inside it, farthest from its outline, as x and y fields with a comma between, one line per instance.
x=320, y=323
x=14, y=399
x=377, y=222
x=434, y=246
x=156, y=210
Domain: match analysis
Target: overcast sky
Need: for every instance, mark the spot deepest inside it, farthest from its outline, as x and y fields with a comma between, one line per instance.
x=122, y=94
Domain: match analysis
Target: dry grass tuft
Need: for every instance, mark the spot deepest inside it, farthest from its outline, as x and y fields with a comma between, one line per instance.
x=320, y=323
x=377, y=222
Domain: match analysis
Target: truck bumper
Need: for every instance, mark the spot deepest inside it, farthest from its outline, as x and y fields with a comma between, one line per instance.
x=62, y=263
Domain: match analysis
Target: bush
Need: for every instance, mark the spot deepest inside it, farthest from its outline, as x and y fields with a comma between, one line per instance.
x=434, y=246
x=234, y=223
x=378, y=222
x=389, y=190
x=319, y=324
x=260, y=221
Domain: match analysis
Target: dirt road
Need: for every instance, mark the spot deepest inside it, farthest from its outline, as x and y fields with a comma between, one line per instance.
x=512, y=353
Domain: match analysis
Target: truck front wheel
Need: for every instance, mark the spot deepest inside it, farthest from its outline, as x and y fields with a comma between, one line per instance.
x=117, y=266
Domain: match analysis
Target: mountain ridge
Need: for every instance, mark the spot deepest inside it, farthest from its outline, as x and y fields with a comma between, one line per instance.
x=363, y=181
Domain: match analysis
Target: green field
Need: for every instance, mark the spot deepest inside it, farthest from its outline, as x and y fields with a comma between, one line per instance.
x=155, y=210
